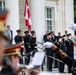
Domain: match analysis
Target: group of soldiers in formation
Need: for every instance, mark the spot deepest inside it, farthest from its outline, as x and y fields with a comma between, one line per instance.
x=28, y=39
x=29, y=44
x=64, y=43
x=10, y=56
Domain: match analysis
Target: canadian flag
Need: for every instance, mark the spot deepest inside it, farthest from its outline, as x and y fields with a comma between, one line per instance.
x=27, y=15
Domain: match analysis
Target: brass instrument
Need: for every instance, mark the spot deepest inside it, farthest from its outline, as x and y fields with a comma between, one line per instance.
x=63, y=54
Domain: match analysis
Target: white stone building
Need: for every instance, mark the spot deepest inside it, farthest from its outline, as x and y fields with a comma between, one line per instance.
x=49, y=15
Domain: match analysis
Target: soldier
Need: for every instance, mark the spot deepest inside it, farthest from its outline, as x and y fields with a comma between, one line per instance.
x=18, y=37
x=49, y=52
x=66, y=32
x=54, y=37
x=70, y=48
x=65, y=35
x=5, y=69
x=45, y=36
x=12, y=56
x=3, y=38
x=56, y=62
x=59, y=35
x=60, y=44
x=33, y=42
x=27, y=45
x=62, y=56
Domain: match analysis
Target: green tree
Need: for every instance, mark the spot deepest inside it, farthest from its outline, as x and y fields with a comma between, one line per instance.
x=75, y=15
x=75, y=11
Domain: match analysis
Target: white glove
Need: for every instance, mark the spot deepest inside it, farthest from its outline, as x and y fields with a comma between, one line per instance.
x=47, y=45
x=30, y=66
x=22, y=46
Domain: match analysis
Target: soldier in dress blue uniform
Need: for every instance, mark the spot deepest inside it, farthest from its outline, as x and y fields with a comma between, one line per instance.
x=69, y=61
x=18, y=37
x=70, y=48
x=33, y=42
x=66, y=33
x=3, y=38
x=45, y=36
x=59, y=35
x=6, y=68
x=60, y=44
x=54, y=37
x=49, y=52
x=27, y=45
x=11, y=59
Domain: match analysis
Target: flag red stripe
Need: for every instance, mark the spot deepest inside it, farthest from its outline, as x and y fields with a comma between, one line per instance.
x=27, y=15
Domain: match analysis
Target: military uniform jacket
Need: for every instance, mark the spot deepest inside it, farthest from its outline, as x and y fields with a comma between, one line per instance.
x=61, y=46
x=70, y=47
x=18, y=38
x=27, y=41
x=44, y=37
x=54, y=38
x=33, y=42
x=58, y=37
x=49, y=51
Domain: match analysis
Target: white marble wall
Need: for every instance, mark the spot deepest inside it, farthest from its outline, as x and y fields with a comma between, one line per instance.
x=64, y=15
x=13, y=16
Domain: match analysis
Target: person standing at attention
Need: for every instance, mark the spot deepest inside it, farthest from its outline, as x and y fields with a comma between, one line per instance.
x=18, y=37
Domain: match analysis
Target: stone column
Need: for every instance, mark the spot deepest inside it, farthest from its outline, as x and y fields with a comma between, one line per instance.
x=69, y=14
x=38, y=18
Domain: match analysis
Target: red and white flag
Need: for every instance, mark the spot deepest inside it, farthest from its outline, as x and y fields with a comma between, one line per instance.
x=27, y=15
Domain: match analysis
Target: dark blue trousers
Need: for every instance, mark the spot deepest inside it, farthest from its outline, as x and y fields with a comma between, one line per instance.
x=27, y=60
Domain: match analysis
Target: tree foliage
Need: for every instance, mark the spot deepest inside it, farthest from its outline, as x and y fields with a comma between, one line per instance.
x=75, y=11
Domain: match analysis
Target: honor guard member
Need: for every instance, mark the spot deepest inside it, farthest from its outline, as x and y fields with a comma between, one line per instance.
x=59, y=35
x=18, y=37
x=45, y=36
x=12, y=56
x=65, y=35
x=27, y=45
x=11, y=59
x=61, y=45
x=3, y=38
x=54, y=37
x=33, y=42
x=49, y=52
x=70, y=48
x=69, y=61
